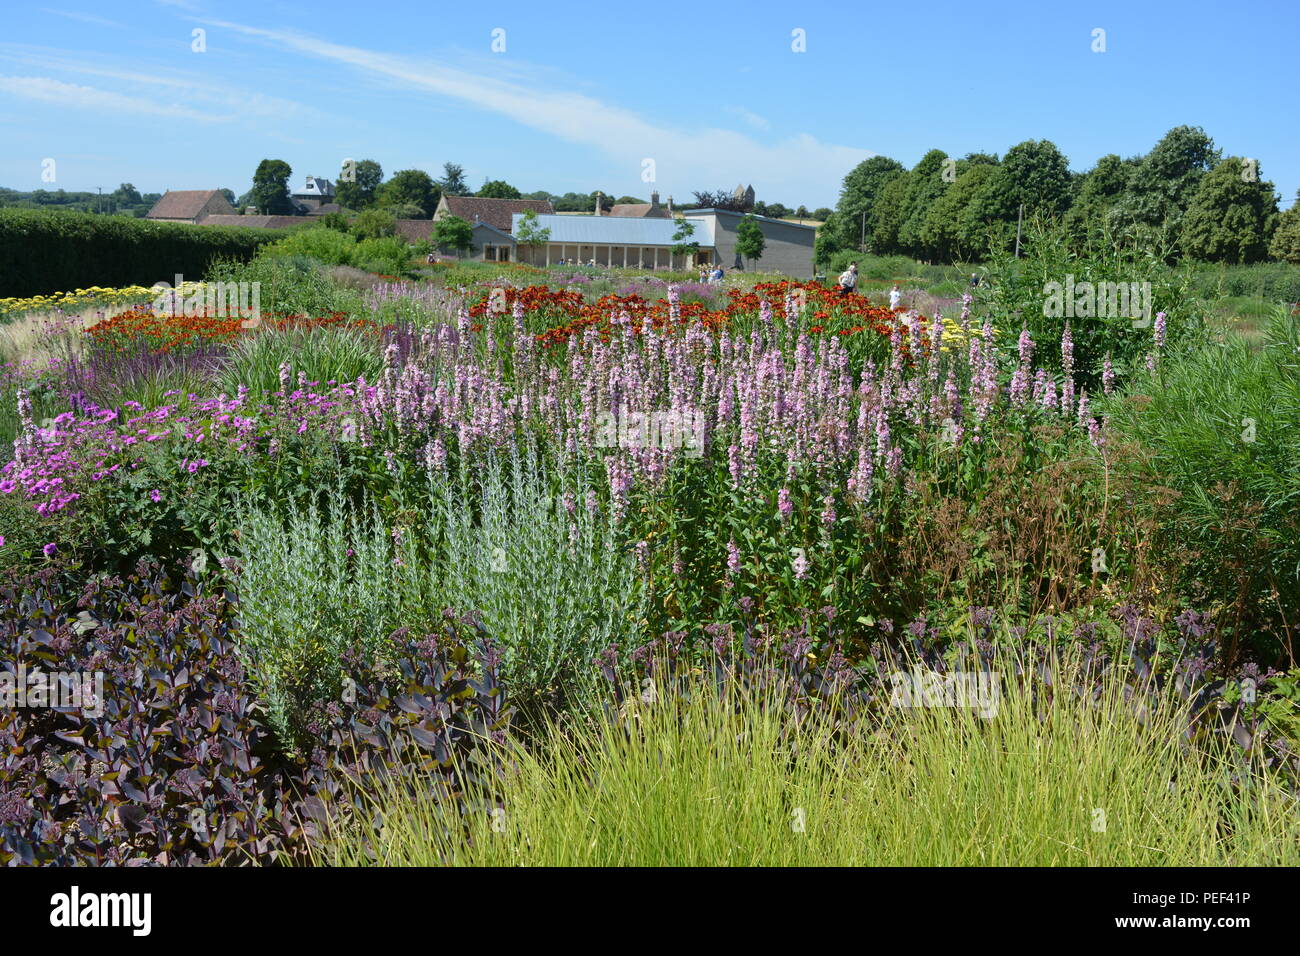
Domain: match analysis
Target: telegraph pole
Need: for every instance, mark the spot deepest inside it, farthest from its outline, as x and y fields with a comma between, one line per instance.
x=1019, y=217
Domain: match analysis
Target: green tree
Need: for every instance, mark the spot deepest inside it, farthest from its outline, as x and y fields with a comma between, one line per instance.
x=374, y=224
x=531, y=233
x=405, y=210
x=1230, y=215
x=270, y=193
x=453, y=182
x=334, y=220
x=128, y=195
x=858, y=195
x=1037, y=175
x=359, y=192
x=228, y=193
x=926, y=183
x=413, y=186
x=749, y=239
x=683, y=244
x=947, y=230
x=1102, y=187
x=1286, y=239
x=890, y=211
x=1162, y=185
x=452, y=232
x=499, y=189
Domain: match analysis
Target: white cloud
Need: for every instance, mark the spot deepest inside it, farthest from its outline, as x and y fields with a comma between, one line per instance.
x=753, y=119
x=708, y=156
x=46, y=90
x=84, y=17
x=234, y=103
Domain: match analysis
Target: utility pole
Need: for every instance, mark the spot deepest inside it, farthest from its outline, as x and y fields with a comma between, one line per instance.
x=99, y=203
x=1019, y=218
x=863, y=242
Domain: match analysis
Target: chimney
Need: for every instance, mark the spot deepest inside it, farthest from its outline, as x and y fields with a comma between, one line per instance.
x=597, y=204
x=670, y=205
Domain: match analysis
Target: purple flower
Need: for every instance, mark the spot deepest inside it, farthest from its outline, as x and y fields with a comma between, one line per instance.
x=155, y=496
x=783, y=503
x=50, y=549
x=800, y=564
x=828, y=511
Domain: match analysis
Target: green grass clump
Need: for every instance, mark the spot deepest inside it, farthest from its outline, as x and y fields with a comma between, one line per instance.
x=1061, y=780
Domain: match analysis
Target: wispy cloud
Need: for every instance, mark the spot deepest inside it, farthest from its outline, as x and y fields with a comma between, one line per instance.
x=44, y=89
x=753, y=119
x=232, y=103
x=708, y=155
x=84, y=18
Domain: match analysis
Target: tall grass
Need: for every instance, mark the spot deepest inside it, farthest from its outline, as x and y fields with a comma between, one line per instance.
x=1060, y=780
x=1220, y=426
x=323, y=354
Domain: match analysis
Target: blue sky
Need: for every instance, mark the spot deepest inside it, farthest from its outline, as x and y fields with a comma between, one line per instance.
x=584, y=93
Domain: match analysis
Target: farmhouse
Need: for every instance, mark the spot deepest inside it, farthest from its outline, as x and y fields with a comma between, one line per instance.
x=643, y=210
x=190, y=205
x=316, y=198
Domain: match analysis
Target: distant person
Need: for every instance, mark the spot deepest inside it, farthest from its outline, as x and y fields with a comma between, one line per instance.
x=974, y=280
x=849, y=279
x=895, y=298
x=716, y=274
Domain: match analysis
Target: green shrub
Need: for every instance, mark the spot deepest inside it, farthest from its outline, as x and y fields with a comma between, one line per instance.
x=289, y=284
x=551, y=589
x=44, y=251
x=328, y=246
x=389, y=255
x=1218, y=426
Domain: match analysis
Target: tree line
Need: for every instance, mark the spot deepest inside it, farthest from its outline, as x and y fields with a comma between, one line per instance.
x=1184, y=196
x=125, y=200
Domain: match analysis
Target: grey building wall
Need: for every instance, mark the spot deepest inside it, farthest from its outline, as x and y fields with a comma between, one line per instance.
x=788, y=247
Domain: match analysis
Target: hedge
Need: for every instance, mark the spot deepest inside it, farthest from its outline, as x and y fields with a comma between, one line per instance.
x=44, y=251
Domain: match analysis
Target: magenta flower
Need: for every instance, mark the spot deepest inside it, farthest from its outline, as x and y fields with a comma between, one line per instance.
x=783, y=503
x=155, y=496
x=50, y=549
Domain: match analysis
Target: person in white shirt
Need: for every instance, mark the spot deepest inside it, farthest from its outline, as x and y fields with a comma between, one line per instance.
x=849, y=279
x=895, y=298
